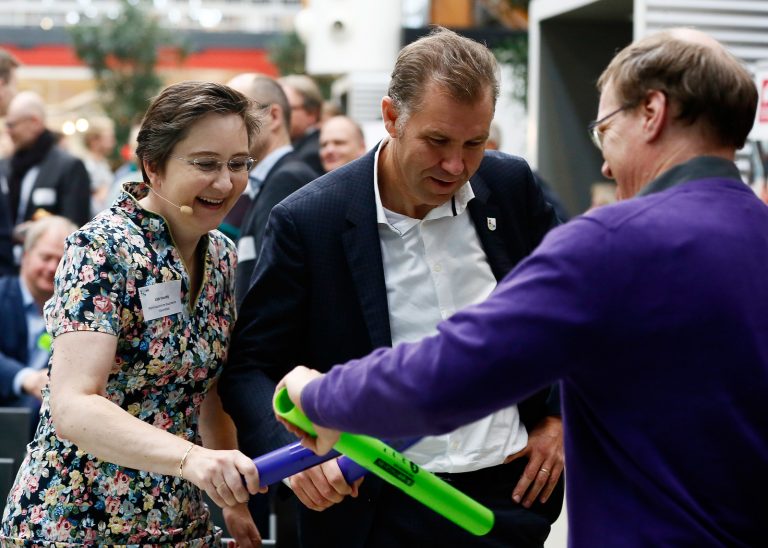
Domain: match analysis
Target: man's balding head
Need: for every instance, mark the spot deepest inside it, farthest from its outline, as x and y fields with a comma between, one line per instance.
x=270, y=101
x=341, y=141
x=25, y=120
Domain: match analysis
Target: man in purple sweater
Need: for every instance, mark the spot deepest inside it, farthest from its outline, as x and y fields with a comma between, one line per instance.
x=652, y=312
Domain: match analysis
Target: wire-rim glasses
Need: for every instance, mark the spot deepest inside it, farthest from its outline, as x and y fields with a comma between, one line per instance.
x=595, y=133
x=238, y=164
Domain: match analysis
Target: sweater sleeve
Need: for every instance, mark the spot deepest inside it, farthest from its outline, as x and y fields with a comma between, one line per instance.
x=533, y=329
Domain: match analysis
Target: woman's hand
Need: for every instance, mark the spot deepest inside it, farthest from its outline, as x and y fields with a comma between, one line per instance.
x=241, y=526
x=220, y=473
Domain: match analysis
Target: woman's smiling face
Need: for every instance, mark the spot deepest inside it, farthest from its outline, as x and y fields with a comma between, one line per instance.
x=198, y=175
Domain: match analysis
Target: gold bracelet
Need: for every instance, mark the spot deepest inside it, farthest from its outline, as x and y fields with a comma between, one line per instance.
x=183, y=459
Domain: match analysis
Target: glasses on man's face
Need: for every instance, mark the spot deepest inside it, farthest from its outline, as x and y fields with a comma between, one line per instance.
x=238, y=164
x=10, y=124
x=595, y=130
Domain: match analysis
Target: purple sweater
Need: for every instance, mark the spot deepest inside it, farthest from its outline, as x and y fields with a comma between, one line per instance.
x=654, y=314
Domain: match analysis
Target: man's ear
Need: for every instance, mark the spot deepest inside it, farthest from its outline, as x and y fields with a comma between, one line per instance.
x=655, y=112
x=389, y=114
x=275, y=117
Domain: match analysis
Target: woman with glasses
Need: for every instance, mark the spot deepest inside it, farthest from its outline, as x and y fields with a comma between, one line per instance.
x=132, y=429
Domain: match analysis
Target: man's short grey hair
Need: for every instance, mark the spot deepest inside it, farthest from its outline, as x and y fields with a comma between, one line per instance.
x=39, y=228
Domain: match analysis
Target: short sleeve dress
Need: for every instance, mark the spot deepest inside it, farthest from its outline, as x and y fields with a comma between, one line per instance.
x=162, y=371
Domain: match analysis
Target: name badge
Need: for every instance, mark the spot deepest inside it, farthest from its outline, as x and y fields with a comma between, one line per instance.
x=160, y=300
x=43, y=196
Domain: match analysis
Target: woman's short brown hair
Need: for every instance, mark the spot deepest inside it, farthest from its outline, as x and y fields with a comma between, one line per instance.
x=706, y=83
x=179, y=106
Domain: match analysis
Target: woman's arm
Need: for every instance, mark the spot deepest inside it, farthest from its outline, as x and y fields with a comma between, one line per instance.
x=82, y=414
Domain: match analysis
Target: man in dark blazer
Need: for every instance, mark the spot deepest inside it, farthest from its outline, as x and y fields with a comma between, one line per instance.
x=306, y=104
x=40, y=176
x=8, y=266
x=23, y=347
x=8, y=79
x=333, y=282
x=278, y=172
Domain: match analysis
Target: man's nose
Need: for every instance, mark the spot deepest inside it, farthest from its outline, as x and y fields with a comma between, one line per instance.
x=453, y=163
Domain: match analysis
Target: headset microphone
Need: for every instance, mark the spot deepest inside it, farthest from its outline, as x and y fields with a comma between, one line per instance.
x=184, y=209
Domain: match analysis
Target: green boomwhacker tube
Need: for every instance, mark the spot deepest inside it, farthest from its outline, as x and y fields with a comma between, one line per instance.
x=397, y=470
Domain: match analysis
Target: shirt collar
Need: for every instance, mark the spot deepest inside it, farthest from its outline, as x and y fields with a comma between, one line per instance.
x=26, y=297
x=153, y=225
x=455, y=206
x=265, y=165
x=701, y=167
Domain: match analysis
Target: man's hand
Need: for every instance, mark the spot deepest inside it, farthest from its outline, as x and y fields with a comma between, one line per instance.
x=241, y=526
x=545, y=462
x=33, y=383
x=294, y=382
x=322, y=486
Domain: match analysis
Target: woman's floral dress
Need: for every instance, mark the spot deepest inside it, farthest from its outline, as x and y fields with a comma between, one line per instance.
x=163, y=368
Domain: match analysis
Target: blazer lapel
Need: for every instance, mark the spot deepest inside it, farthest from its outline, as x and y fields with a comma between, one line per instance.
x=489, y=226
x=363, y=252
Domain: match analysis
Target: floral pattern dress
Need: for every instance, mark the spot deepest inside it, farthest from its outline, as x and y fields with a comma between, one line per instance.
x=162, y=371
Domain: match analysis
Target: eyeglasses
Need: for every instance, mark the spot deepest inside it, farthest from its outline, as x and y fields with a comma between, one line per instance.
x=12, y=124
x=595, y=133
x=237, y=164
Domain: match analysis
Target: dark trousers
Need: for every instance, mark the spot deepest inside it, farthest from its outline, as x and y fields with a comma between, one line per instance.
x=384, y=516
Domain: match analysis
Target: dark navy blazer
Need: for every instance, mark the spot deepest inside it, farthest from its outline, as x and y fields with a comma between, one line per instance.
x=13, y=343
x=287, y=176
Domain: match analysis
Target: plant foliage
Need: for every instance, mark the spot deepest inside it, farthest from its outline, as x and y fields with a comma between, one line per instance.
x=123, y=53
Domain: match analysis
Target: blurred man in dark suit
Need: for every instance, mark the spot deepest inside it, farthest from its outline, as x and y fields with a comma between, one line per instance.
x=24, y=345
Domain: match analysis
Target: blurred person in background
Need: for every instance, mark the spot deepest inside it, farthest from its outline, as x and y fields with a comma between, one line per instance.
x=233, y=220
x=128, y=171
x=131, y=428
x=341, y=141
x=41, y=177
x=306, y=104
x=329, y=110
x=377, y=252
x=278, y=173
x=24, y=343
x=99, y=141
x=602, y=194
x=8, y=66
x=494, y=137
